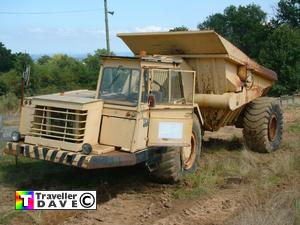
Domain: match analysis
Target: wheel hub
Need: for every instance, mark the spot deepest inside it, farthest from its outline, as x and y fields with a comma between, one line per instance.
x=188, y=154
x=272, y=128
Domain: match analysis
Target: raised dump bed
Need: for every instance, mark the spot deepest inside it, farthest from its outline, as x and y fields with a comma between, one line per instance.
x=226, y=78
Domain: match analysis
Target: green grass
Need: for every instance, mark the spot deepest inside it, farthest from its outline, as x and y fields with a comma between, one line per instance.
x=213, y=174
x=295, y=128
x=214, y=170
x=197, y=185
x=2, y=144
x=273, y=180
x=226, y=170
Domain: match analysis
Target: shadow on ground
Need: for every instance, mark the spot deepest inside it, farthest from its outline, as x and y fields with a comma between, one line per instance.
x=217, y=144
x=40, y=175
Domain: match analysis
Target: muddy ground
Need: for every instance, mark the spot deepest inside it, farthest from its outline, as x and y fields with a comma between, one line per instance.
x=234, y=186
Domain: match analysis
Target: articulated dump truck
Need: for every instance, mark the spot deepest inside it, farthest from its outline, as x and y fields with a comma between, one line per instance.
x=154, y=107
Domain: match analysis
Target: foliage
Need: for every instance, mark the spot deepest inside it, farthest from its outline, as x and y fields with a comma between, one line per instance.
x=52, y=74
x=281, y=52
x=9, y=103
x=10, y=82
x=6, y=58
x=176, y=29
x=92, y=64
x=243, y=25
x=3, y=88
x=22, y=60
x=288, y=12
x=43, y=59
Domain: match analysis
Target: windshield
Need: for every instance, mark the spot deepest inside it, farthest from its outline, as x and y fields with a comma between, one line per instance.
x=120, y=85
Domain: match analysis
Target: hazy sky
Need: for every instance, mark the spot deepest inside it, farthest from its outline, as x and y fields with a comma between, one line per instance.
x=84, y=32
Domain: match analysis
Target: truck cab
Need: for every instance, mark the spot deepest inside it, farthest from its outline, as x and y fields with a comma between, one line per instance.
x=148, y=102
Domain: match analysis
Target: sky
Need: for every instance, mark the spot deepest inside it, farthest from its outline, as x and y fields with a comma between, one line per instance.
x=83, y=32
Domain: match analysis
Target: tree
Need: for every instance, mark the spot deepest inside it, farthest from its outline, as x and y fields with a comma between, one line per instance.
x=281, y=52
x=288, y=12
x=43, y=59
x=6, y=58
x=10, y=82
x=176, y=29
x=3, y=88
x=66, y=72
x=244, y=26
x=22, y=60
x=92, y=63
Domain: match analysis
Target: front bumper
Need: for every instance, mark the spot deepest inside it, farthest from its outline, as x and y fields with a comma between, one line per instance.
x=107, y=160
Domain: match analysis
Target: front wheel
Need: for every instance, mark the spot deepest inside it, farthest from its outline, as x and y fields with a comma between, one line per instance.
x=176, y=162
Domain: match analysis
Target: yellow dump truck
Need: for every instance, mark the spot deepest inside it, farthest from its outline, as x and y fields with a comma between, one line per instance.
x=154, y=107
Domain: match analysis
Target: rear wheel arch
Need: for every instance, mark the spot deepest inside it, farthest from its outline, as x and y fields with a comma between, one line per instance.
x=197, y=112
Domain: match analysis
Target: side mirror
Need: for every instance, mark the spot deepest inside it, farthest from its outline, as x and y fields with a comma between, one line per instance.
x=151, y=100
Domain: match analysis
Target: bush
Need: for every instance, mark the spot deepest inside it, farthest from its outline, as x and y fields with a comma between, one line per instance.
x=9, y=103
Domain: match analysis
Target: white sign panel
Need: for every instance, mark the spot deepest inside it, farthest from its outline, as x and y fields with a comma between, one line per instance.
x=170, y=130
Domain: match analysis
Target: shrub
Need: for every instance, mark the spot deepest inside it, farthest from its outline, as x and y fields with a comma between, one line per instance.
x=9, y=103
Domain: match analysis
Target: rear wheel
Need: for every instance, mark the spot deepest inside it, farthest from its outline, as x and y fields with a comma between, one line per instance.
x=175, y=162
x=263, y=124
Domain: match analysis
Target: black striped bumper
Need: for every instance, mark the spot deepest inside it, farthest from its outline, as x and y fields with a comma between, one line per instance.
x=108, y=160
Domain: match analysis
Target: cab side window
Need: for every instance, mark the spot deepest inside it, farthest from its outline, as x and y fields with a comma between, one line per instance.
x=166, y=86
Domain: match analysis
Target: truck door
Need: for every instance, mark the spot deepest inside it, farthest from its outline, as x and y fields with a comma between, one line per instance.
x=171, y=112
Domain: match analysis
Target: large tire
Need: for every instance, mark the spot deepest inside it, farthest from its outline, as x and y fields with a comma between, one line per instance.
x=263, y=125
x=173, y=162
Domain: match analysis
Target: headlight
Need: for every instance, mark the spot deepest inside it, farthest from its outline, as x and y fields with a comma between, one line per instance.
x=15, y=136
x=87, y=149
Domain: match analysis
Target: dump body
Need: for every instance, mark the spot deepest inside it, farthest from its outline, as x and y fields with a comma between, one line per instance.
x=226, y=78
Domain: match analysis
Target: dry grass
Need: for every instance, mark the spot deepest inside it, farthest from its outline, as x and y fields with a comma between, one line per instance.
x=281, y=209
x=14, y=122
x=242, y=167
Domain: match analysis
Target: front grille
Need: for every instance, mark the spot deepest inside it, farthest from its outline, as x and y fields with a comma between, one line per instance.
x=60, y=124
